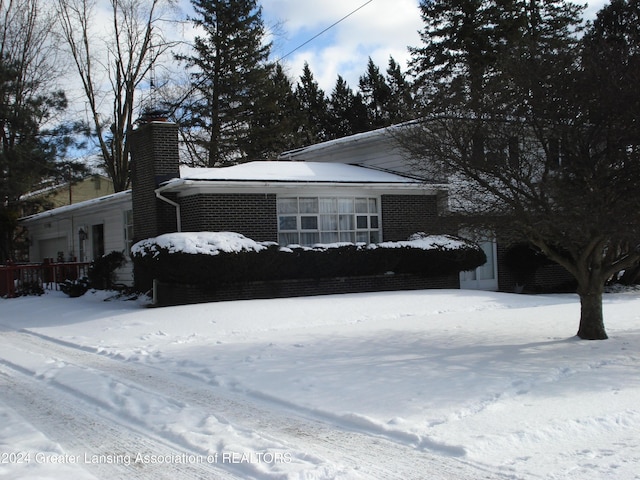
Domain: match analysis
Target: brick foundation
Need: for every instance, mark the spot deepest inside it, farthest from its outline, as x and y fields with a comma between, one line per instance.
x=170, y=294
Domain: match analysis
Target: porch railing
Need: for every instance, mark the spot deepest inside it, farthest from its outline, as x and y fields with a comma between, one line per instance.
x=25, y=277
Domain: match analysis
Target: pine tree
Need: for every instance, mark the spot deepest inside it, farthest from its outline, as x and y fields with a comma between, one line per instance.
x=536, y=45
x=229, y=73
x=452, y=65
x=401, y=106
x=347, y=112
x=314, y=106
x=492, y=55
x=376, y=95
x=275, y=126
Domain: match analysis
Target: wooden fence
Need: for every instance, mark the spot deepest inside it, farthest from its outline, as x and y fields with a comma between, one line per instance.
x=16, y=279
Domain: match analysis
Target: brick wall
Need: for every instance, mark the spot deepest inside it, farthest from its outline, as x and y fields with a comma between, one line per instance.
x=167, y=294
x=154, y=159
x=403, y=215
x=252, y=215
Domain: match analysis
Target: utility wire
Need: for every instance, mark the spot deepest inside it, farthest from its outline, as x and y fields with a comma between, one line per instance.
x=324, y=31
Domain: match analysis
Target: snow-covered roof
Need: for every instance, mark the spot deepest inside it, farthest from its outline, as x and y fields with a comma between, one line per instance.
x=95, y=202
x=261, y=172
x=341, y=142
x=287, y=171
x=59, y=186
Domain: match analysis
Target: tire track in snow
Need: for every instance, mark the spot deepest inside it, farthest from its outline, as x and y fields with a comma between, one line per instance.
x=83, y=433
x=362, y=454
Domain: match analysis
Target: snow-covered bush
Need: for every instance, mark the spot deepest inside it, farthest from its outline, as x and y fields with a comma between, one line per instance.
x=75, y=288
x=214, y=258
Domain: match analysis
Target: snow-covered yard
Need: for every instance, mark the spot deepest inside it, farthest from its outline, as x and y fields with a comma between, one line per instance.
x=428, y=384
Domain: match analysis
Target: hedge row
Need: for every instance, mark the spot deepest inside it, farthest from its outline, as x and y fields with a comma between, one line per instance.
x=271, y=262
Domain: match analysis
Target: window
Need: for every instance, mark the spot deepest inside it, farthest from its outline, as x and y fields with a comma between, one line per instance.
x=311, y=220
x=128, y=231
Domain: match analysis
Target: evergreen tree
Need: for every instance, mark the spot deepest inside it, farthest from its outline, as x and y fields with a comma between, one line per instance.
x=611, y=74
x=536, y=55
x=452, y=65
x=276, y=122
x=492, y=55
x=376, y=95
x=400, y=107
x=229, y=74
x=314, y=106
x=347, y=112
x=30, y=152
x=611, y=62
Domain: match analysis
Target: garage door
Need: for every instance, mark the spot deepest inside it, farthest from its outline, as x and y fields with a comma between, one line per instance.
x=52, y=247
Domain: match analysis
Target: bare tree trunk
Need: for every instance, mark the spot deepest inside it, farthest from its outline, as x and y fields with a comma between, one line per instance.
x=591, y=316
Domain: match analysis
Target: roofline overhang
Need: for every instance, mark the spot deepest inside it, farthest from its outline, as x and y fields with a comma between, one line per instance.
x=97, y=203
x=185, y=187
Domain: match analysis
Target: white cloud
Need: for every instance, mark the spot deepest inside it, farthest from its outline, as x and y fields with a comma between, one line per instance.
x=380, y=29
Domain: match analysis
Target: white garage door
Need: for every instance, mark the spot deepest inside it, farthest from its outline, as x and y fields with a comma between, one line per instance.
x=51, y=247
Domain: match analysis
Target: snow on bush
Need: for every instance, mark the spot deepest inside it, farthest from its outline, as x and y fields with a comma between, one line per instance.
x=216, y=258
x=423, y=241
x=213, y=243
x=204, y=243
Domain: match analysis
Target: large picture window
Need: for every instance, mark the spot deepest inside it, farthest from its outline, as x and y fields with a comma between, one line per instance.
x=311, y=220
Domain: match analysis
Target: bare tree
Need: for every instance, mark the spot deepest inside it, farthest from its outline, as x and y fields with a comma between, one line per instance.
x=567, y=188
x=112, y=68
x=548, y=150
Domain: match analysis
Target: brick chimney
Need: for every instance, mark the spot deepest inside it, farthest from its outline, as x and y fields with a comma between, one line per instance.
x=154, y=160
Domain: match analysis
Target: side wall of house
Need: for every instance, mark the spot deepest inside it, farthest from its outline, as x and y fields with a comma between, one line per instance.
x=252, y=215
x=58, y=235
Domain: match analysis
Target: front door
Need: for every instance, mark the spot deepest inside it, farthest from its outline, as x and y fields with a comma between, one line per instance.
x=485, y=277
x=97, y=240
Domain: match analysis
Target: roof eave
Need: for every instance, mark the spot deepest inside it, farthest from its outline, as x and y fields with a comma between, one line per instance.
x=182, y=184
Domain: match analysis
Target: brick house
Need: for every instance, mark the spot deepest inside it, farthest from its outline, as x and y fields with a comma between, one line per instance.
x=354, y=189
x=284, y=201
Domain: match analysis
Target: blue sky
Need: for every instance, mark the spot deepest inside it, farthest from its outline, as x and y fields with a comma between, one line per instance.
x=381, y=28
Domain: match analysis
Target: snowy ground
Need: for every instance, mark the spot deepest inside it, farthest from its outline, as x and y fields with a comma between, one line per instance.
x=424, y=385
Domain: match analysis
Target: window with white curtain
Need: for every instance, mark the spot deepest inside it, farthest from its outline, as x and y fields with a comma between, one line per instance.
x=310, y=220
